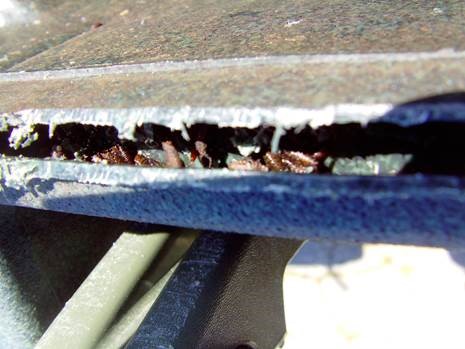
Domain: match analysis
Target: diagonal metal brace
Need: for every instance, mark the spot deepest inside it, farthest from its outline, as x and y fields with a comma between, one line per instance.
x=226, y=293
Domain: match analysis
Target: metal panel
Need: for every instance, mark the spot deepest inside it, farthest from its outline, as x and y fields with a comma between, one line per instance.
x=316, y=60
x=303, y=82
x=225, y=293
x=150, y=31
x=422, y=210
x=31, y=27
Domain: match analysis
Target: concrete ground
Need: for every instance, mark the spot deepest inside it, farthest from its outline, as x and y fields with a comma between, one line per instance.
x=375, y=297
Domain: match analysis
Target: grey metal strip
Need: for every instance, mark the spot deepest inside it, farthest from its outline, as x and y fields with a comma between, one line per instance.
x=285, y=60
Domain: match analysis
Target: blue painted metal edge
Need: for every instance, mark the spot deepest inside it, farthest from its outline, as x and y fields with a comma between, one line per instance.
x=420, y=210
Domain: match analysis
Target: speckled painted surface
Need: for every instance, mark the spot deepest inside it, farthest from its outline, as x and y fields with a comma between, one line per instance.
x=149, y=31
x=407, y=209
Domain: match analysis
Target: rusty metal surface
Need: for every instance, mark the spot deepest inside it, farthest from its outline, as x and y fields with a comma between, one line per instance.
x=302, y=84
x=150, y=31
x=308, y=54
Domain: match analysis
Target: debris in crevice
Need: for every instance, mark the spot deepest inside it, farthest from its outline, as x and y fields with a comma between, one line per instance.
x=296, y=162
x=172, y=158
x=115, y=155
x=39, y=148
x=82, y=142
x=22, y=137
x=201, y=152
x=386, y=164
x=277, y=134
x=141, y=160
x=247, y=164
x=338, y=149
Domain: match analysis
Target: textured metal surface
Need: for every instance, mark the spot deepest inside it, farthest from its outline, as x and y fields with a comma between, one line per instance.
x=148, y=31
x=291, y=54
x=418, y=210
x=226, y=292
x=301, y=82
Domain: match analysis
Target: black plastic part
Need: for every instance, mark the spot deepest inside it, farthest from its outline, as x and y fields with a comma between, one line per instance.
x=226, y=293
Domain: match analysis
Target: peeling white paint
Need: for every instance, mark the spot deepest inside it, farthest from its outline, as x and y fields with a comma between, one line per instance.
x=22, y=136
x=178, y=118
x=126, y=120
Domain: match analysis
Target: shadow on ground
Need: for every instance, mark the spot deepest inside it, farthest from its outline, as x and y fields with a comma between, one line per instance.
x=327, y=253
